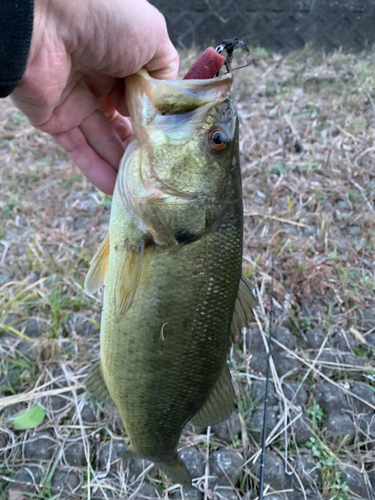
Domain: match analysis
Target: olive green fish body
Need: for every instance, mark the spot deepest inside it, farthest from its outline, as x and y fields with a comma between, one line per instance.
x=164, y=357
x=171, y=265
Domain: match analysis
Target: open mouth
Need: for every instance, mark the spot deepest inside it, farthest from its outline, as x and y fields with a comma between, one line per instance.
x=152, y=101
x=180, y=96
x=177, y=96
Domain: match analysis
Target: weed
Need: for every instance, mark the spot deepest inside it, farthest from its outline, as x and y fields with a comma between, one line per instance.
x=367, y=281
x=317, y=415
x=337, y=489
x=11, y=206
x=106, y=201
x=67, y=183
x=18, y=118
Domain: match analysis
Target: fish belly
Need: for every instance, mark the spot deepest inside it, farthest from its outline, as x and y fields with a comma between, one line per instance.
x=161, y=361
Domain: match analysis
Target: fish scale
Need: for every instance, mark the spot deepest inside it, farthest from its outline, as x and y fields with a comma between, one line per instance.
x=174, y=375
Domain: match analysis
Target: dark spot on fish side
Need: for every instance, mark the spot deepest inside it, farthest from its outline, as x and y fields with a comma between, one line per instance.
x=116, y=247
x=183, y=236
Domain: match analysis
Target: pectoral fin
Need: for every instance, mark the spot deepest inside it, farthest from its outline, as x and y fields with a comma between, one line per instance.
x=95, y=278
x=244, y=306
x=128, y=276
x=96, y=385
x=219, y=404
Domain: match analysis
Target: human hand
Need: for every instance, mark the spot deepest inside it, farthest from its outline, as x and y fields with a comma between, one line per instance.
x=73, y=87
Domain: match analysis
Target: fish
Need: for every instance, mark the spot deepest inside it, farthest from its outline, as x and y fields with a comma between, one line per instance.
x=171, y=266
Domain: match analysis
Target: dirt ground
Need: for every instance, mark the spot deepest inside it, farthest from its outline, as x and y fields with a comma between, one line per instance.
x=307, y=132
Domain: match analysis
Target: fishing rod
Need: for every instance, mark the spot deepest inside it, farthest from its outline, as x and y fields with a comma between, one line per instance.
x=230, y=45
x=266, y=393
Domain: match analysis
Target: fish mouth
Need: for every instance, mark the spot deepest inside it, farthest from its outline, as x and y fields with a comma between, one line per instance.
x=149, y=98
x=176, y=96
x=181, y=96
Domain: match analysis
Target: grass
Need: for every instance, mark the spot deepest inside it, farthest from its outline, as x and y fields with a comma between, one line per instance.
x=306, y=145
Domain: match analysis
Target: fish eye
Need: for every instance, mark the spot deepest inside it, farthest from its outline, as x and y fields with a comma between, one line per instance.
x=218, y=140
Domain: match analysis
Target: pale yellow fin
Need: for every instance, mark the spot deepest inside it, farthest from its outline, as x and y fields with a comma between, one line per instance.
x=236, y=325
x=95, y=278
x=245, y=292
x=176, y=470
x=128, y=276
x=96, y=386
x=219, y=404
x=243, y=308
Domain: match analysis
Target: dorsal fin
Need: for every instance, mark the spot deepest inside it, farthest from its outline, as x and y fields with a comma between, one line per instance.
x=95, y=278
x=244, y=306
x=246, y=292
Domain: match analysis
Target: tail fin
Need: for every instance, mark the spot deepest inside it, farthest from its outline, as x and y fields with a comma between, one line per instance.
x=176, y=470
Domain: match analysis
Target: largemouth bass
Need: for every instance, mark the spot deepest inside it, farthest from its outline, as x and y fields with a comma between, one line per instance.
x=171, y=266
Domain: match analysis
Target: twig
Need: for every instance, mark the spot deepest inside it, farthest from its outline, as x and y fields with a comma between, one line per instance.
x=363, y=193
x=29, y=396
x=273, y=217
x=323, y=375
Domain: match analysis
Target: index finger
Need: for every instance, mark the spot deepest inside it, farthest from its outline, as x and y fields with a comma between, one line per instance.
x=164, y=65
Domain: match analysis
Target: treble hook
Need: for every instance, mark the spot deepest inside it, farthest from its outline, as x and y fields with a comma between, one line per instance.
x=230, y=45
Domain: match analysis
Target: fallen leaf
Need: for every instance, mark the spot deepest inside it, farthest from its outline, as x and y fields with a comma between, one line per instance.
x=27, y=419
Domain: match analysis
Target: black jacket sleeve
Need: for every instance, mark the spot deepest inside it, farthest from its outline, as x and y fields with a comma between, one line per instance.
x=16, y=27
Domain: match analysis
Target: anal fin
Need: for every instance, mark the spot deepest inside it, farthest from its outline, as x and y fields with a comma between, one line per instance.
x=96, y=385
x=128, y=276
x=220, y=402
x=95, y=278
